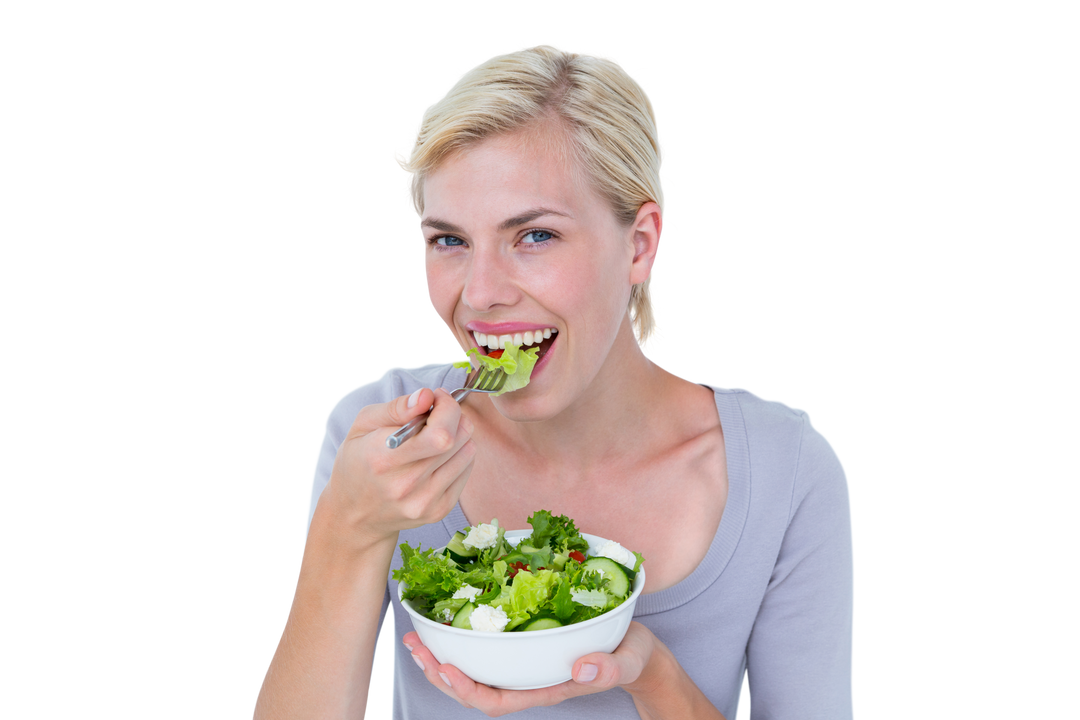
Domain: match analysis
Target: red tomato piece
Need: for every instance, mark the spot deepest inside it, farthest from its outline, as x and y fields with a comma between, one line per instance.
x=577, y=556
x=515, y=568
x=495, y=354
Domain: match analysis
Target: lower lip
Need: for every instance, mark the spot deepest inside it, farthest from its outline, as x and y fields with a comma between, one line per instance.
x=542, y=362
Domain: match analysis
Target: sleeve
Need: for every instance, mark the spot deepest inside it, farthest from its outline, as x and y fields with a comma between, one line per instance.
x=799, y=653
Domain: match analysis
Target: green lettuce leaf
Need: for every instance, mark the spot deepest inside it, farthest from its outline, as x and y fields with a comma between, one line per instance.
x=562, y=602
x=527, y=595
x=591, y=598
x=555, y=531
x=571, y=594
x=515, y=362
x=429, y=576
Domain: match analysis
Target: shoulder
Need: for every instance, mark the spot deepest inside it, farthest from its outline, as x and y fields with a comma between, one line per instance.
x=765, y=426
x=784, y=453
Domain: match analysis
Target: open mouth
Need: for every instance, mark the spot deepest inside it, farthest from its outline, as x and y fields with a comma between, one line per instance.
x=542, y=339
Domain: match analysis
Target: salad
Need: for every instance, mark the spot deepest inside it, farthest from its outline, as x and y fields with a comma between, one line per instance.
x=511, y=359
x=481, y=582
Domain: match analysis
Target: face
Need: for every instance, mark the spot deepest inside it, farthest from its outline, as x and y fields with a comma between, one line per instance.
x=517, y=245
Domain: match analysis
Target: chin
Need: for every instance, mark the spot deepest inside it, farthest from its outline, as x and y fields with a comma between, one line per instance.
x=524, y=408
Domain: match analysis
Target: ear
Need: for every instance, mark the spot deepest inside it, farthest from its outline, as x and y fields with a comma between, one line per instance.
x=646, y=230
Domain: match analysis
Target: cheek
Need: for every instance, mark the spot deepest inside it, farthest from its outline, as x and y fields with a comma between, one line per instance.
x=601, y=284
x=442, y=290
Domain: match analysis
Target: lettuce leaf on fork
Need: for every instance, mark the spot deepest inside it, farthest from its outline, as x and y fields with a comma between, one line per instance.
x=513, y=361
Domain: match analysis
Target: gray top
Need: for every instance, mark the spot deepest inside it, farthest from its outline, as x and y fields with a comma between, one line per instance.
x=772, y=596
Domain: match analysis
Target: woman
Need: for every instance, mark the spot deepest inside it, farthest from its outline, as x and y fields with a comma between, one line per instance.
x=537, y=184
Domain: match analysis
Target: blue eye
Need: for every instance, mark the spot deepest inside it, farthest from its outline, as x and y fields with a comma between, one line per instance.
x=537, y=236
x=448, y=241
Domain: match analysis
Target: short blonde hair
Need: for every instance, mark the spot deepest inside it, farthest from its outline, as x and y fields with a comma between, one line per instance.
x=606, y=115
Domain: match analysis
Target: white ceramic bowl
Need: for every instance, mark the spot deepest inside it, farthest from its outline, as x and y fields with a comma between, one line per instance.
x=525, y=660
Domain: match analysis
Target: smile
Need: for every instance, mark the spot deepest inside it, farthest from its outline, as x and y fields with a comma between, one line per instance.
x=527, y=338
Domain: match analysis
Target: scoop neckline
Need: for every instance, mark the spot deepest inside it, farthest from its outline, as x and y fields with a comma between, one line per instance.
x=728, y=532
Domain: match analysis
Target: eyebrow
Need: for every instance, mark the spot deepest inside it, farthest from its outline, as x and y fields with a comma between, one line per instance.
x=508, y=224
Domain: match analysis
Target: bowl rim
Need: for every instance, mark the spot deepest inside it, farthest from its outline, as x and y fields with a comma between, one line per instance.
x=635, y=592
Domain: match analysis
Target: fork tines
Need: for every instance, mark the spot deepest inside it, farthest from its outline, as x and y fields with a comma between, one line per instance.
x=489, y=380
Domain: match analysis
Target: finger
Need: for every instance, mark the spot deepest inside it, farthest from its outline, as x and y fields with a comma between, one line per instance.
x=598, y=671
x=430, y=666
x=473, y=694
x=442, y=423
x=454, y=473
x=429, y=468
x=394, y=414
x=603, y=670
x=440, y=435
x=450, y=678
x=496, y=701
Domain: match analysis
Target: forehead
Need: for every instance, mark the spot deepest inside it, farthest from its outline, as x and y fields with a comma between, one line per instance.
x=502, y=176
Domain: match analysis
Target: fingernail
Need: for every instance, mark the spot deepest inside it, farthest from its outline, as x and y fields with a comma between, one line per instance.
x=446, y=680
x=587, y=673
x=413, y=398
x=408, y=647
x=419, y=662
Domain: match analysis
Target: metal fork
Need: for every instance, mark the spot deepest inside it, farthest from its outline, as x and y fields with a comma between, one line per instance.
x=481, y=381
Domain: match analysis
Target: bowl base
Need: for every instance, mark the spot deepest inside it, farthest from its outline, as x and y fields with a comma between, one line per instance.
x=530, y=687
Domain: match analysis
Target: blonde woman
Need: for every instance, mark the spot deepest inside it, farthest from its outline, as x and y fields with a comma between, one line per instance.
x=537, y=183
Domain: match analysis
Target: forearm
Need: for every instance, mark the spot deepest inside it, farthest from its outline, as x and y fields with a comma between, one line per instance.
x=664, y=691
x=323, y=663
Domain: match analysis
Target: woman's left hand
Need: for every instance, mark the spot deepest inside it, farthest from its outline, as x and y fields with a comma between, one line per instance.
x=592, y=674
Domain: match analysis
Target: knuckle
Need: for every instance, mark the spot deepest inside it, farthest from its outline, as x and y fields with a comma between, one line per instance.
x=411, y=521
x=413, y=511
x=399, y=491
x=380, y=463
x=442, y=440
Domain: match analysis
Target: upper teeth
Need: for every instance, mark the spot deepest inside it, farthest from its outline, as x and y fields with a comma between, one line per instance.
x=530, y=337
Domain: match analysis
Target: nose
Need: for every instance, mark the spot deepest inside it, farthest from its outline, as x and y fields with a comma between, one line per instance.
x=490, y=281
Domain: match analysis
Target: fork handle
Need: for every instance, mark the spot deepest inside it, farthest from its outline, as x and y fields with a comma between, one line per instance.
x=413, y=426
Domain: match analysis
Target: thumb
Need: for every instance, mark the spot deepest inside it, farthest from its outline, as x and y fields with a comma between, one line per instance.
x=406, y=407
x=395, y=413
x=601, y=670
x=625, y=665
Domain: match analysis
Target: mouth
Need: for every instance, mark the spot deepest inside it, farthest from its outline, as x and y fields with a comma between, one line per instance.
x=542, y=338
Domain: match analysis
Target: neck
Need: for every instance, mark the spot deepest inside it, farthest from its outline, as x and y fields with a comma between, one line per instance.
x=611, y=421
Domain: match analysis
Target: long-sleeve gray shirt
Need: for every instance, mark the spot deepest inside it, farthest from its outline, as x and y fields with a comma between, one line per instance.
x=772, y=597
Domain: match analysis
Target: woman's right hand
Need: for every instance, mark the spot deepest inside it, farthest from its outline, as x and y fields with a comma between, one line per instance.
x=377, y=491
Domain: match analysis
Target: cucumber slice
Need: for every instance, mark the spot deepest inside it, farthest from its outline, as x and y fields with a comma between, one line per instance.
x=461, y=619
x=543, y=623
x=457, y=550
x=616, y=573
